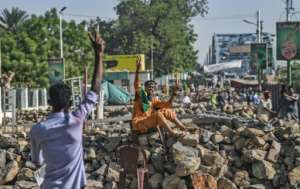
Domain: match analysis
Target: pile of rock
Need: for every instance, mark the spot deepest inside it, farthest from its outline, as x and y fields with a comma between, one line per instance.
x=230, y=156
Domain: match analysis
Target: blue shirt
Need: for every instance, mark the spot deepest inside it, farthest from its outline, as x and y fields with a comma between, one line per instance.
x=57, y=142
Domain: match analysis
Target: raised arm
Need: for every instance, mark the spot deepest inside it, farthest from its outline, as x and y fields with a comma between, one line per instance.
x=137, y=85
x=99, y=46
x=91, y=97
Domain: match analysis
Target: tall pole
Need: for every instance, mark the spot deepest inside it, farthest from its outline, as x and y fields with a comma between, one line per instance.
x=0, y=87
x=60, y=34
x=152, y=64
x=258, y=35
x=258, y=26
x=289, y=4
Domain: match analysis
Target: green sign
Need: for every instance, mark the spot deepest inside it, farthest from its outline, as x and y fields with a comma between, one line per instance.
x=56, y=70
x=258, y=56
x=288, y=40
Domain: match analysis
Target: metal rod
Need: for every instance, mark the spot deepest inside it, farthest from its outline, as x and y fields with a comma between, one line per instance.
x=152, y=64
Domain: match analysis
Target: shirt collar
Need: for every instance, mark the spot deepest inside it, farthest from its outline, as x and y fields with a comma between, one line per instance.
x=56, y=115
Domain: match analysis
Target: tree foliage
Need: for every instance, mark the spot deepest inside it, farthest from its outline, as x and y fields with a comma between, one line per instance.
x=31, y=41
x=166, y=25
x=12, y=19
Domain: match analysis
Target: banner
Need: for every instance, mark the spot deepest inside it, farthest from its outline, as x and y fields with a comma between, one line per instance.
x=288, y=40
x=222, y=66
x=120, y=63
x=56, y=70
x=258, y=56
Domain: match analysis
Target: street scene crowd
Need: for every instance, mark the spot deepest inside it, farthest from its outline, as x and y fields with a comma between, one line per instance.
x=229, y=123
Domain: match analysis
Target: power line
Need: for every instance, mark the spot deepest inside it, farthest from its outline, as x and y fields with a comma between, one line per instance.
x=231, y=17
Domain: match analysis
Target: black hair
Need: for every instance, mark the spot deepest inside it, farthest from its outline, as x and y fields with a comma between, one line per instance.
x=149, y=82
x=60, y=96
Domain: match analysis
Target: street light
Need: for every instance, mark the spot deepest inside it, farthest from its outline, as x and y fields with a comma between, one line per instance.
x=60, y=31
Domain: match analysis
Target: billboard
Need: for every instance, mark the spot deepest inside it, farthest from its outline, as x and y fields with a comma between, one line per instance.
x=288, y=40
x=121, y=63
x=56, y=70
x=258, y=56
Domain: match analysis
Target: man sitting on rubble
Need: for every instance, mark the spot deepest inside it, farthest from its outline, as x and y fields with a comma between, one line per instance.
x=148, y=111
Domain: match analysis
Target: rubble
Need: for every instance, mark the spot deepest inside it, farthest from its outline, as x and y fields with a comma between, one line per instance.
x=228, y=151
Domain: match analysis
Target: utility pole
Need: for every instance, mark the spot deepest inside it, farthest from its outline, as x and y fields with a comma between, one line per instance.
x=0, y=87
x=258, y=26
x=258, y=33
x=152, y=64
x=60, y=31
x=289, y=7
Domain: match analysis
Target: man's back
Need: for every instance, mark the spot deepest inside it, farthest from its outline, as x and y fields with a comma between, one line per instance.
x=57, y=142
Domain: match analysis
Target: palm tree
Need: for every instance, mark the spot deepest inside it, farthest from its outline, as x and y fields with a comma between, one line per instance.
x=12, y=19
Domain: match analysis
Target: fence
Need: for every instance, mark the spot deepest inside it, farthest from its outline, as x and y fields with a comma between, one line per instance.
x=20, y=99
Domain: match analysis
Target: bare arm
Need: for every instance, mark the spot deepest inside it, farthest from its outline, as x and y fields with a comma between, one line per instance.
x=137, y=85
x=91, y=97
x=99, y=46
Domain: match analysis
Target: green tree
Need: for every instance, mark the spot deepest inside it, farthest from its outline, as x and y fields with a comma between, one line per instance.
x=165, y=24
x=13, y=19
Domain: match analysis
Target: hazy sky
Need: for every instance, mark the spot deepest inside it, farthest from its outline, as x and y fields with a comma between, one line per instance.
x=225, y=16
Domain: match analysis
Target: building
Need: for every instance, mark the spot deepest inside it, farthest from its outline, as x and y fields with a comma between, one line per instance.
x=230, y=47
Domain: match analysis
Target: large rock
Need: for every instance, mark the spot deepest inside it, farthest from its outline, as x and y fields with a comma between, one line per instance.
x=157, y=159
x=101, y=171
x=203, y=181
x=90, y=154
x=191, y=139
x=2, y=159
x=211, y=158
x=217, y=138
x=205, y=135
x=274, y=152
x=252, y=132
x=186, y=158
x=155, y=181
x=241, y=178
x=26, y=184
x=10, y=172
x=215, y=170
x=240, y=143
x=112, y=175
x=259, y=141
x=92, y=184
x=22, y=144
x=224, y=183
x=172, y=182
x=263, y=170
x=26, y=174
x=253, y=155
x=6, y=141
x=294, y=176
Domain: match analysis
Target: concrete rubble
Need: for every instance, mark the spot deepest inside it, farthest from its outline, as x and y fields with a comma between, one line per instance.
x=231, y=151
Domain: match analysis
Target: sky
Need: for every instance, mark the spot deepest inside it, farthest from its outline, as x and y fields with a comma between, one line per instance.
x=224, y=16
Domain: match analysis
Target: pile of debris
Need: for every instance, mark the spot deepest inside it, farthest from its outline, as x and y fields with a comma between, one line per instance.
x=228, y=155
